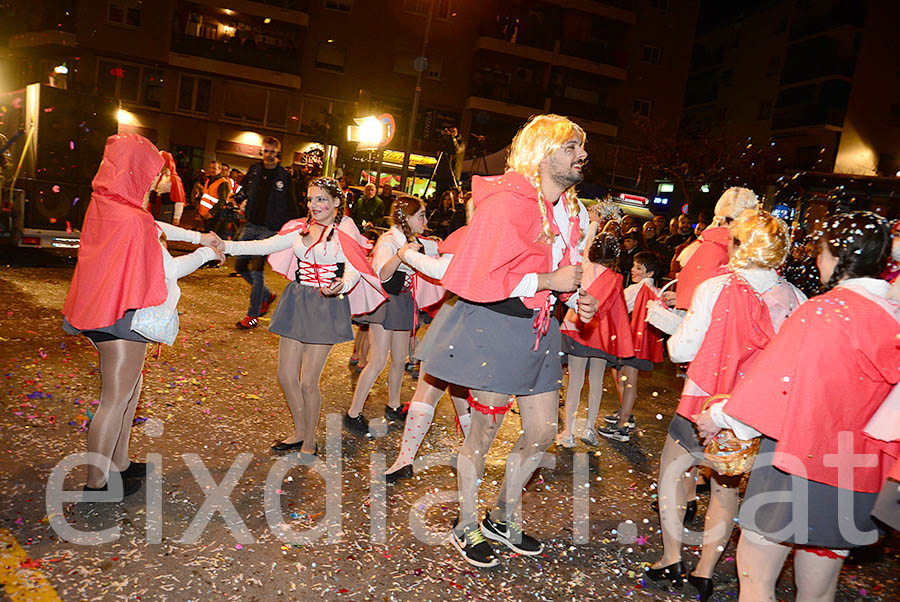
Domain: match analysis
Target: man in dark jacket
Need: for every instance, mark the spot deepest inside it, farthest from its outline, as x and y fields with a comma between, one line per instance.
x=268, y=199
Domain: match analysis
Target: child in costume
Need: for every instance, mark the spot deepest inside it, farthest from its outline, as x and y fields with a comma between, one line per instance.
x=123, y=267
x=646, y=339
x=811, y=394
x=325, y=261
x=731, y=320
x=605, y=339
x=392, y=323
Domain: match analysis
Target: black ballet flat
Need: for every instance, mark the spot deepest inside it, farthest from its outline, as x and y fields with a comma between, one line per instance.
x=103, y=494
x=674, y=573
x=398, y=415
x=135, y=470
x=281, y=446
x=690, y=512
x=404, y=472
x=703, y=585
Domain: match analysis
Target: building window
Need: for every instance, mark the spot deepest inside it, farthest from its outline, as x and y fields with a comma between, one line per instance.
x=153, y=87
x=660, y=4
x=331, y=57
x=255, y=104
x=124, y=12
x=765, y=110
x=420, y=7
x=345, y=6
x=434, y=69
x=652, y=54
x=641, y=107
x=129, y=82
x=193, y=94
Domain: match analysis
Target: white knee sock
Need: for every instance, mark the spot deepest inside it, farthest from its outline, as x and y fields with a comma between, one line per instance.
x=418, y=421
x=465, y=421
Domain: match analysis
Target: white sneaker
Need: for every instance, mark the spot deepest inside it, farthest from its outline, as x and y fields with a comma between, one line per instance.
x=566, y=441
x=589, y=436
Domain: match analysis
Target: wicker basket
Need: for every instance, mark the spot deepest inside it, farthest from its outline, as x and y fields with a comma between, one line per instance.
x=726, y=454
x=664, y=318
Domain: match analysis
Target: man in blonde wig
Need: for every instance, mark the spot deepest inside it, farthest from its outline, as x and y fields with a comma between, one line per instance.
x=523, y=246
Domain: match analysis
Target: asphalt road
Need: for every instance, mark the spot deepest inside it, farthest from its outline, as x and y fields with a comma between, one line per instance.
x=212, y=403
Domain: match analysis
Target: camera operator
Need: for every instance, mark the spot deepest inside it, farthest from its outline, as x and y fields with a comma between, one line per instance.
x=449, y=170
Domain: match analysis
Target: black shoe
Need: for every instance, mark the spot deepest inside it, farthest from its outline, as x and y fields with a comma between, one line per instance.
x=474, y=547
x=404, y=472
x=357, y=425
x=674, y=573
x=103, y=494
x=511, y=536
x=703, y=585
x=281, y=446
x=690, y=512
x=135, y=470
x=398, y=414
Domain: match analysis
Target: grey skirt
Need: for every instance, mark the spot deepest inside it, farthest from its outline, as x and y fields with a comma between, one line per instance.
x=394, y=314
x=476, y=347
x=304, y=314
x=815, y=520
x=887, y=506
x=684, y=433
x=572, y=347
x=120, y=329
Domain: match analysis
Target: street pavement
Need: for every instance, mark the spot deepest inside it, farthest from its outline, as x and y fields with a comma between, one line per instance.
x=210, y=409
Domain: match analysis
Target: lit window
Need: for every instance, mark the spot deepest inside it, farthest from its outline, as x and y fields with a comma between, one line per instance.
x=641, y=107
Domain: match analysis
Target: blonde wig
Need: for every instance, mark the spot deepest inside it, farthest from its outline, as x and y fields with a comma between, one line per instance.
x=542, y=136
x=732, y=203
x=760, y=240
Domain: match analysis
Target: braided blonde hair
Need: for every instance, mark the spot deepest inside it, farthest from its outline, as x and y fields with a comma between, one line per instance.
x=541, y=136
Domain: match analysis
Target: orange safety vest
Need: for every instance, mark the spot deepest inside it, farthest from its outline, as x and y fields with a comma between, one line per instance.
x=210, y=196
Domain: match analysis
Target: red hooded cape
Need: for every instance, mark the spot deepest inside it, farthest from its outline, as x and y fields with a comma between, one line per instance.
x=120, y=262
x=833, y=362
x=707, y=261
x=500, y=245
x=609, y=330
x=647, y=342
x=740, y=329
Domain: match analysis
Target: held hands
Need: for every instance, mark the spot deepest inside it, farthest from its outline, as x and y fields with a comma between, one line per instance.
x=587, y=306
x=220, y=254
x=594, y=214
x=212, y=240
x=410, y=246
x=705, y=426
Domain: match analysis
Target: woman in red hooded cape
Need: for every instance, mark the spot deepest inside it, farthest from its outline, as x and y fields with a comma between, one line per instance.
x=731, y=319
x=122, y=267
x=330, y=278
x=812, y=393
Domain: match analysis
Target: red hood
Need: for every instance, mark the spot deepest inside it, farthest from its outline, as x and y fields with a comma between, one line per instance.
x=177, y=192
x=120, y=262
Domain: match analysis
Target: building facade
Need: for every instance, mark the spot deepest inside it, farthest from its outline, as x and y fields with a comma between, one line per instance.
x=208, y=79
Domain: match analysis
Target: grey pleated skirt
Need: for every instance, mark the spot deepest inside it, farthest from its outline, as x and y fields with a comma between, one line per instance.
x=476, y=347
x=120, y=329
x=823, y=518
x=394, y=314
x=684, y=433
x=306, y=315
x=572, y=347
x=887, y=506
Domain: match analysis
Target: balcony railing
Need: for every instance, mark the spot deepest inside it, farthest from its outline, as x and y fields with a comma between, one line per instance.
x=807, y=116
x=233, y=52
x=513, y=29
x=301, y=5
x=840, y=13
x=576, y=108
x=597, y=53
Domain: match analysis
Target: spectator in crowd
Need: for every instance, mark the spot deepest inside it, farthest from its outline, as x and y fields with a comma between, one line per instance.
x=369, y=208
